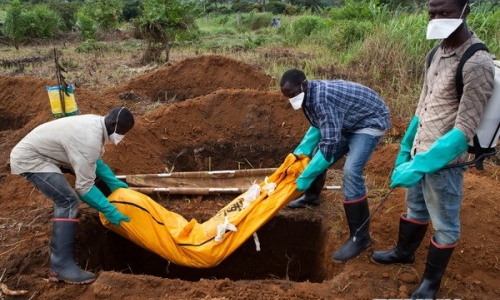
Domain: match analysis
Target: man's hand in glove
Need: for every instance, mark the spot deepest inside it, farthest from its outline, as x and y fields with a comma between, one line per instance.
x=95, y=199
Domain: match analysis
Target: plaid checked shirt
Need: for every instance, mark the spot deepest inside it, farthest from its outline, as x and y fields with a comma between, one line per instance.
x=439, y=110
x=339, y=107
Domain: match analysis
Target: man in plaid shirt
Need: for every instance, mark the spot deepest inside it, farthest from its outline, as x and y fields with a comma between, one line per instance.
x=346, y=118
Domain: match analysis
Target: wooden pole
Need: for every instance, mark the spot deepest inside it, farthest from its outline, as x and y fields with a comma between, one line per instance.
x=202, y=191
x=61, y=87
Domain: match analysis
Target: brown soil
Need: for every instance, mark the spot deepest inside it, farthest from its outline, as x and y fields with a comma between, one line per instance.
x=222, y=110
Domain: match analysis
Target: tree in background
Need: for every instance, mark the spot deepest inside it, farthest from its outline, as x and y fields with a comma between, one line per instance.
x=316, y=6
x=85, y=25
x=41, y=22
x=97, y=15
x=276, y=7
x=131, y=9
x=38, y=21
x=162, y=23
x=107, y=13
x=67, y=11
x=14, y=23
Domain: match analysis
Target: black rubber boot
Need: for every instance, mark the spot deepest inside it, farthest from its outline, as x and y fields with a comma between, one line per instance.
x=357, y=212
x=437, y=261
x=62, y=263
x=411, y=234
x=311, y=195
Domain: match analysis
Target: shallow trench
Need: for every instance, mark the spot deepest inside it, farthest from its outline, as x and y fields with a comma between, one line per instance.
x=11, y=121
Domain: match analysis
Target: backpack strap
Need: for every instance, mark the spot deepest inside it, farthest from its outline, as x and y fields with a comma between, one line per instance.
x=431, y=56
x=459, y=83
x=480, y=153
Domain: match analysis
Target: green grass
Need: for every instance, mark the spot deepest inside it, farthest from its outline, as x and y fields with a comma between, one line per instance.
x=364, y=42
x=382, y=49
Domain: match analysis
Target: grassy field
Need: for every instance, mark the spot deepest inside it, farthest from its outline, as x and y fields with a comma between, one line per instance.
x=377, y=47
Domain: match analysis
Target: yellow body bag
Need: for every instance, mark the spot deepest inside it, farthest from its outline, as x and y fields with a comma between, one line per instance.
x=192, y=244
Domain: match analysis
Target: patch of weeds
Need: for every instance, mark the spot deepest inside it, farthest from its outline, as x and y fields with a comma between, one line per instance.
x=152, y=106
x=495, y=175
x=92, y=46
x=69, y=64
x=131, y=43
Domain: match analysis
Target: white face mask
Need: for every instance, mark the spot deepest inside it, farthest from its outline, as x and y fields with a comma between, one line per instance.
x=115, y=138
x=439, y=29
x=297, y=101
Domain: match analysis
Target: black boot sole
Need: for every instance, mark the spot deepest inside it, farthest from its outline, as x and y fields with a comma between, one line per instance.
x=388, y=264
x=302, y=207
x=343, y=261
x=87, y=281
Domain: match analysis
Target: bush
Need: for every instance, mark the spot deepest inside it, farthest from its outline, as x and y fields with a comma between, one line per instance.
x=67, y=13
x=344, y=33
x=15, y=26
x=276, y=8
x=42, y=22
x=353, y=10
x=291, y=10
x=131, y=9
x=86, y=26
x=90, y=46
x=224, y=10
x=241, y=6
x=255, y=21
x=302, y=28
x=107, y=13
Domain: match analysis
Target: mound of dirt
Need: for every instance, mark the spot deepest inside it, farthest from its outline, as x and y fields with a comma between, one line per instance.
x=194, y=77
x=199, y=134
x=215, y=113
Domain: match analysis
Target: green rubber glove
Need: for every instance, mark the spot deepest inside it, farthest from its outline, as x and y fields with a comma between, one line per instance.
x=407, y=142
x=104, y=173
x=442, y=151
x=315, y=167
x=309, y=142
x=95, y=199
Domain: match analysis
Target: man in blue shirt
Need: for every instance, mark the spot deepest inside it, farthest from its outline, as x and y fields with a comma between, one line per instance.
x=346, y=118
